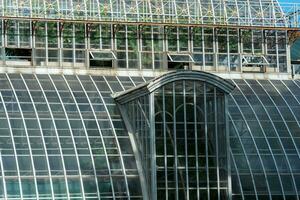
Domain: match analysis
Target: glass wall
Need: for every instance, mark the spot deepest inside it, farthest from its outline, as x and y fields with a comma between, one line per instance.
x=139, y=114
x=137, y=47
x=180, y=132
x=190, y=139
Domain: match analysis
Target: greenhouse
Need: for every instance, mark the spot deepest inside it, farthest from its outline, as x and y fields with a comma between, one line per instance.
x=149, y=99
x=231, y=36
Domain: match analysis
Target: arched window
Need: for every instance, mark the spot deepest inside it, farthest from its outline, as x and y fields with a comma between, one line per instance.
x=189, y=139
x=179, y=126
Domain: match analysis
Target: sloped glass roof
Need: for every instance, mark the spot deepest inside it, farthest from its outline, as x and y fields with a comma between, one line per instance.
x=264, y=139
x=63, y=137
x=234, y=12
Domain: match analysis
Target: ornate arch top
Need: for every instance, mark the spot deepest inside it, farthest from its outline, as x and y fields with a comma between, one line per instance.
x=154, y=84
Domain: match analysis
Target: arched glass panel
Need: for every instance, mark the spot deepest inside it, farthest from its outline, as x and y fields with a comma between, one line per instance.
x=178, y=123
x=190, y=140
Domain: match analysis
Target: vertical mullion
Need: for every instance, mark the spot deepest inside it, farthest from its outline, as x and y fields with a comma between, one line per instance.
x=18, y=33
x=228, y=50
x=215, y=48
x=60, y=43
x=126, y=44
x=229, y=192
x=178, y=37
x=74, y=44
x=152, y=146
x=2, y=51
x=196, y=138
x=185, y=141
x=32, y=43
x=139, y=44
x=46, y=43
x=216, y=140
x=165, y=141
x=203, y=48
x=206, y=142
x=152, y=47
x=277, y=52
x=240, y=49
x=175, y=141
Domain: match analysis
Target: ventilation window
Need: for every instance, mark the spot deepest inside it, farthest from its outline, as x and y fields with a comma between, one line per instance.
x=18, y=55
x=254, y=63
x=102, y=59
x=179, y=61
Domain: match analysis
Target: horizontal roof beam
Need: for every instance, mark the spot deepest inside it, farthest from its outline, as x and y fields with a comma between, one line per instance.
x=150, y=23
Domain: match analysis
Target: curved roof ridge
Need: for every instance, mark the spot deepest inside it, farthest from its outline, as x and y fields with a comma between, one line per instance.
x=154, y=84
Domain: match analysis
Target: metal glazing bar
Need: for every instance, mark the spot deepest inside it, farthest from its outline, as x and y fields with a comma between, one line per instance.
x=26, y=135
x=43, y=139
x=3, y=177
x=69, y=126
x=175, y=141
x=85, y=130
x=165, y=142
x=273, y=125
x=216, y=121
x=244, y=153
x=185, y=141
x=228, y=153
x=206, y=141
x=115, y=135
x=56, y=135
x=153, y=146
x=288, y=105
x=230, y=194
x=14, y=150
x=255, y=145
x=117, y=142
x=104, y=148
x=138, y=155
x=196, y=138
x=263, y=131
x=294, y=143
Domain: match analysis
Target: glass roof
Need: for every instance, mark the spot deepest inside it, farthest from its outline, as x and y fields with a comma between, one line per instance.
x=264, y=127
x=63, y=137
x=232, y=12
